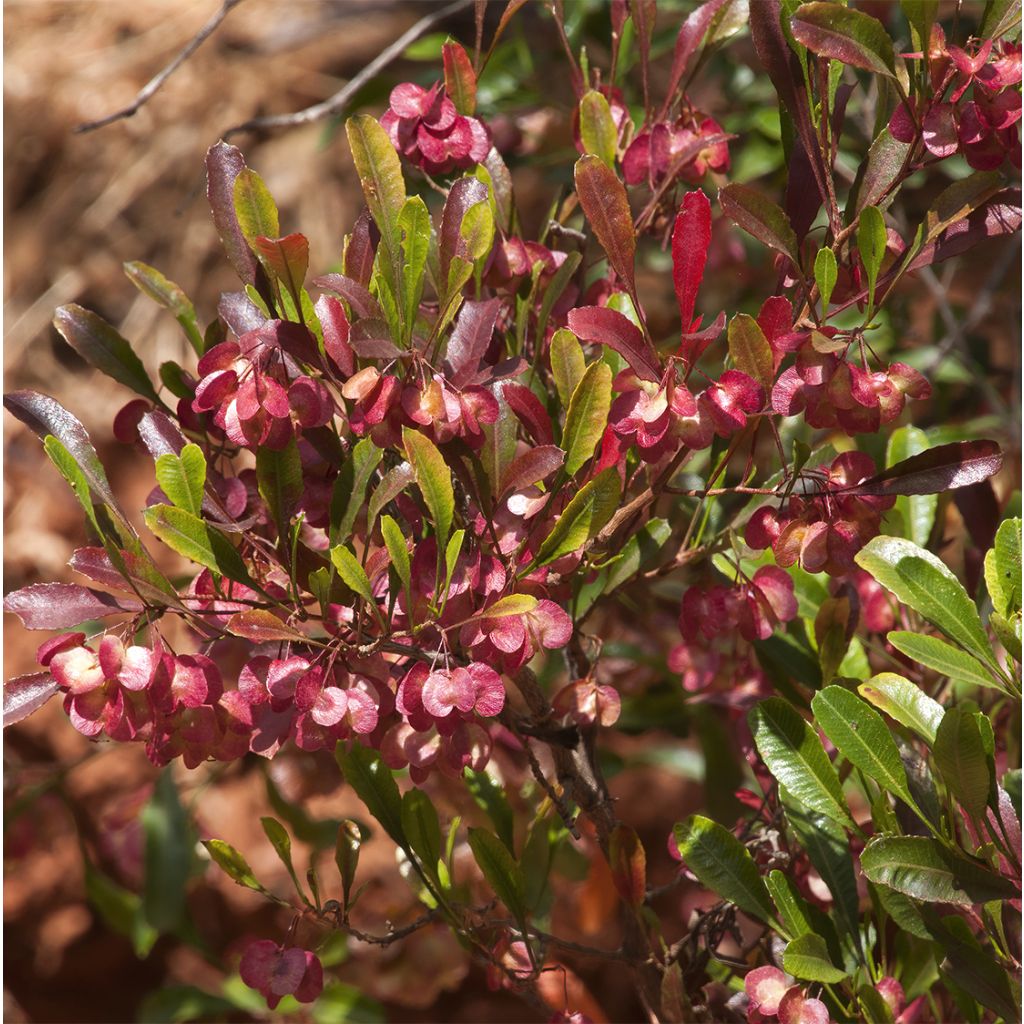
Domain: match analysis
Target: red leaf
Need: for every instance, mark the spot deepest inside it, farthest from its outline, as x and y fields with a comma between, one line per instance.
x=603, y=198
x=287, y=257
x=260, y=626
x=371, y=339
x=945, y=468
x=331, y=314
x=459, y=79
x=531, y=467
x=360, y=249
x=691, y=35
x=527, y=406
x=62, y=605
x=354, y=293
x=691, y=237
x=605, y=326
x=240, y=313
x=25, y=695
x=470, y=338
x=760, y=217
x=223, y=165
x=466, y=192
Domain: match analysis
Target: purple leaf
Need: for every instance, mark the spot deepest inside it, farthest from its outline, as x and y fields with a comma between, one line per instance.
x=331, y=314
x=95, y=563
x=527, y=406
x=845, y=34
x=360, y=250
x=354, y=293
x=760, y=217
x=160, y=434
x=691, y=35
x=223, y=165
x=474, y=327
x=604, y=326
x=691, y=237
x=884, y=162
x=936, y=470
x=466, y=192
x=240, y=313
x=603, y=198
x=63, y=605
x=531, y=467
x=24, y=695
x=370, y=339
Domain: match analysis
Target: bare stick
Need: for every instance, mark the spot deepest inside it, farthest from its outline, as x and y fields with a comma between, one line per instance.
x=147, y=92
x=337, y=102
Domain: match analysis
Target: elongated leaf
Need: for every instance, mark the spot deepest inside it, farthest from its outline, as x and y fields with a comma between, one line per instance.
x=603, y=198
x=795, y=756
x=459, y=78
x=640, y=551
x=723, y=864
x=391, y=485
x=167, y=855
x=279, y=479
x=349, y=492
x=166, y=293
x=287, y=258
x=474, y=328
x=352, y=573
x=183, y=477
x=503, y=874
x=101, y=346
x=941, y=657
x=902, y=700
x=556, y=286
x=794, y=911
x=919, y=867
x=959, y=754
x=223, y=165
x=191, y=537
x=414, y=223
x=25, y=695
x=533, y=466
x=434, y=479
x=584, y=517
x=944, y=468
x=760, y=217
x=1003, y=569
x=491, y=799
x=63, y=605
x=398, y=549
x=806, y=957
x=846, y=35
x=750, y=350
x=688, y=41
x=605, y=326
x=826, y=273
x=923, y=582
x=917, y=510
x=691, y=238
x=510, y=604
x=374, y=784
x=380, y=173
x=232, y=863
x=260, y=625
x=255, y=208
x=422, y=829
x=882, y=166
x=587, y=416
x=597, y=129
x=567, y=363
x=861, y=736
x=282, y=844
x=628, y=862
x=871, y=245
x=957, y=201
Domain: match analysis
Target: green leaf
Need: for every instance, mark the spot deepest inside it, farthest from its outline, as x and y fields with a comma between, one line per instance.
x=345, y=1004
x=760, y=217
x=490, y=798
x=179, y=1003
x=556, y=286
x=999, y=18
x=69, y=468
x=567, y=363
x=346, y=856
x=1003, y=569
x=168, y=855
x=282, y=844
x=919, y=867
x=349, y=494
x=795, y=756
x=352, y=573
x=871, y=245
x=957, y=200
x=724, y=865
x=923, y=582
x=858, y=732
x=597, y=129
x=826, y=273
x=255, y=207
x=750, y=350
x=102, y=347
x=414, y=223
x=167, y=294
x=459, y=78
x=794, y=910
x=640, y=551
x=477, y=231
x=806, y=957
x=121, y=909
x=232, y=863
x=587, y=416
x=904, y=701
x=844, y=34
x=398, y=549
x=584, y=517
x=451, y=557
x=503, y=874
x=279, y=480
x=959, y=754
x=183, y=477
x=917, y=510
x=942, y=657
x=192, y=538
x=422, y=829
x=370, y=777
x=920, y=15
x=435, y=482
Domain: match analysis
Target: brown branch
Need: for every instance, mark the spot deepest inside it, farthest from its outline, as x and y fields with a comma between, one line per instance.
x=147, y=92
x=336, y=103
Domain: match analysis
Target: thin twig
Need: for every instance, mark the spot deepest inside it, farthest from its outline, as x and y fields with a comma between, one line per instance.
x=336, y=103
x=147, y=92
